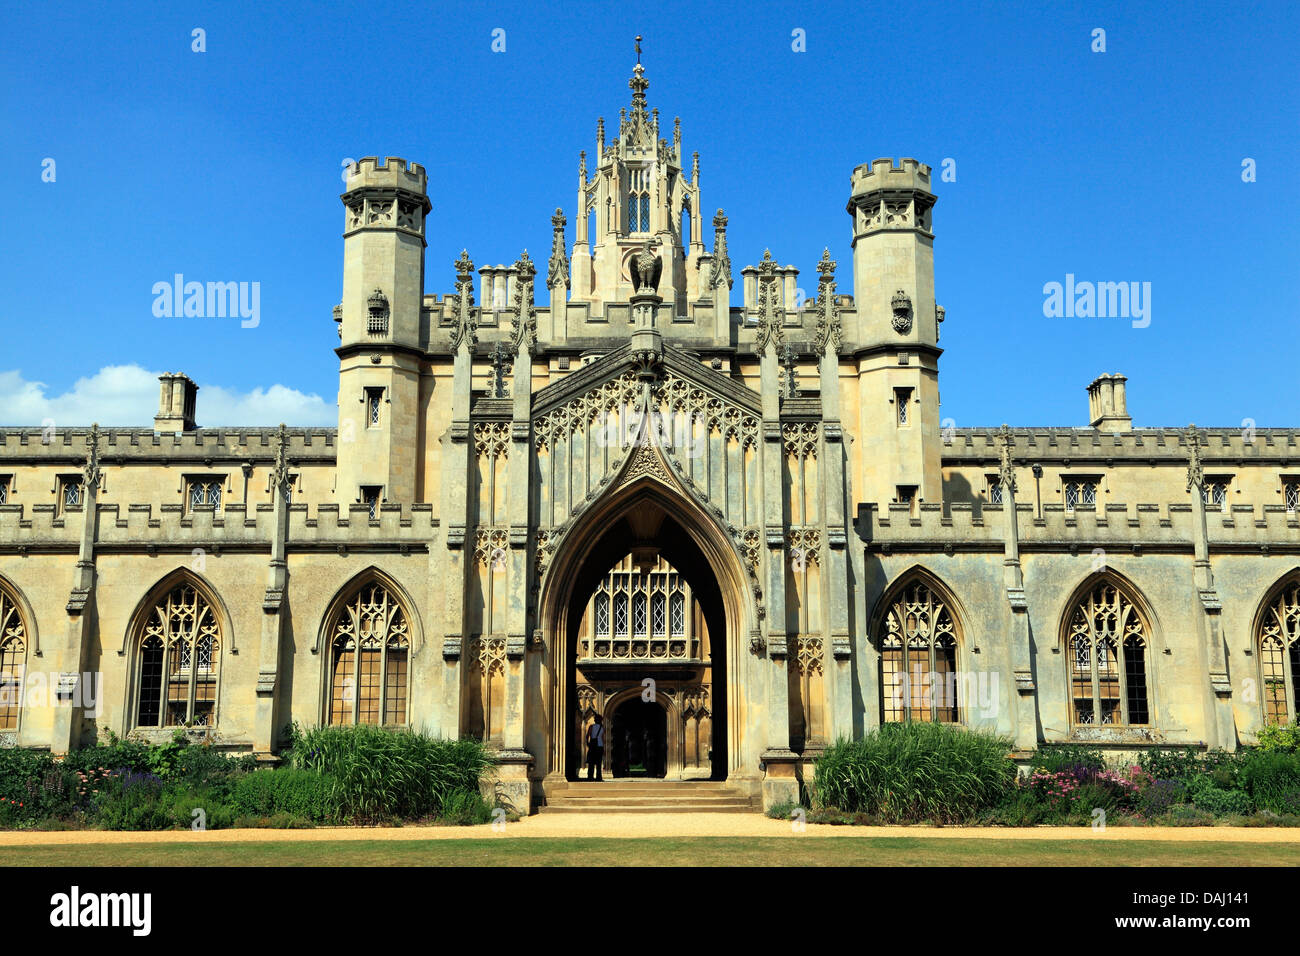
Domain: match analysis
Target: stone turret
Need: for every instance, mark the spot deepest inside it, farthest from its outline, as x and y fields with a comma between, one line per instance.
x=379, y=372
x=896, y=329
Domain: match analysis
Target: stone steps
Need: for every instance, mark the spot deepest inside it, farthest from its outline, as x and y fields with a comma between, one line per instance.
x=641, y=796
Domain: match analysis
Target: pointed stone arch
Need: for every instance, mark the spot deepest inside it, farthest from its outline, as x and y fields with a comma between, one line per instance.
x=17, y=646
x=397, y=646
x=1101, y=690
x=1275, y=638
x=145, y=620
x=913, y=658
x=703, y=547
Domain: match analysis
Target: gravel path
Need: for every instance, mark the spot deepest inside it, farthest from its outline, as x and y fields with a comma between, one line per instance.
x=624, y=825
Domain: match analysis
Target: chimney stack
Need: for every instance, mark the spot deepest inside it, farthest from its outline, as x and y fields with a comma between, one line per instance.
x=176, y=398
x=1108, y=404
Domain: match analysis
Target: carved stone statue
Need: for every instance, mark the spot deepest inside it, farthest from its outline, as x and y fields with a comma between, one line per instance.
x=646, y=269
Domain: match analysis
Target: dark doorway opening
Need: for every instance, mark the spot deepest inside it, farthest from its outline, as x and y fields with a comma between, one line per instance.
x=639, y=737
x=675, y=544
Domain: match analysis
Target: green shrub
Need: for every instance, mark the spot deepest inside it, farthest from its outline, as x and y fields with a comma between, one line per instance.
x=1058, y=757
x=1222, y=803
x=1187, y=815
x=1022, y=807
x=915, y=771
x=1160, y=796
x=300, y=793
x=465, y=808
x=378, y=773
x=782, y=811
x=132, y=801
x=1281, y=738
x=1272, y=778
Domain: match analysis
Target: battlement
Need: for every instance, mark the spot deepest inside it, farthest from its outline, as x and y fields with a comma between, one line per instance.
x=1131, y=528
x=1279, y=446
x=883, y=174
x=392, y=173
x=145, y=527
x=143, y=445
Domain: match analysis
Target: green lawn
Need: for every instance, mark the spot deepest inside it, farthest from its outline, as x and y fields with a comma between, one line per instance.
x=685, y=851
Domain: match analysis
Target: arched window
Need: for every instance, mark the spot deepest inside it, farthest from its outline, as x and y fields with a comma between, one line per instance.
x=369, y=647
x=640, y=613
x=1106, y=657
x=1279, y=655
x=179, y=650
x=918, y=658
x=13, y=662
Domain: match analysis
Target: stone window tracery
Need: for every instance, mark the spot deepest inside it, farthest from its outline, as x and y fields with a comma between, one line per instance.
x=179, y=652
x=1080, y=491
x=369, y=650
x=918, y=658
x=1290, y=495
x=13, y=662
x=1279, y=655
x=650, y=616
x=1107, y=651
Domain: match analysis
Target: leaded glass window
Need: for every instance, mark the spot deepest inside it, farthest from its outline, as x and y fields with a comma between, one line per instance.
x=179, y=645
x=1290, y=494
x=918, y=658
x=369, y=649
x=1279, y=655
x=1080, y=492
x=205, y=492
x=640, y=613
x=4, y=489
x=71, y=493
x=1107, y=657
x=1216, y=493
x=995, y=491
x=13, y=662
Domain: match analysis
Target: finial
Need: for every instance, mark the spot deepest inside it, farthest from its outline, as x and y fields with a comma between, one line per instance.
x=638, y=50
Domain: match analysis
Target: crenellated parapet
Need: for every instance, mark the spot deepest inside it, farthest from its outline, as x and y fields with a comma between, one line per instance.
x=144, y=446
x=1128, y=528
x=1282, y=445
x=149, y=528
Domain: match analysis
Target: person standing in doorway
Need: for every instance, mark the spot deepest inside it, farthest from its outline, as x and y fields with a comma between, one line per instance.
x=596, y=749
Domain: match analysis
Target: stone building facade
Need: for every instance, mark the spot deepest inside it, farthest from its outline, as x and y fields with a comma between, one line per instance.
x=636, y=480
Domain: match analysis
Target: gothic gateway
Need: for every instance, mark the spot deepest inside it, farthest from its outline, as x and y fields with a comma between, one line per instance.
x=738, y=528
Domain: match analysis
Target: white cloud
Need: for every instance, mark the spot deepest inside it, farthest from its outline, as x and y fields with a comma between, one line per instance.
x=127, y=395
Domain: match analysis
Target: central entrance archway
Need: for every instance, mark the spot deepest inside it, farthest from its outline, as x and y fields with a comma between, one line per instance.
x=642, y=531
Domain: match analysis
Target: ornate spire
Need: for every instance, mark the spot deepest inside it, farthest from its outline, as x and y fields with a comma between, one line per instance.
x=721, y=261
x=559, y=269
x=1007, y=470
x=464, y=327
x=524, y=333
x=1195, y=469
x=791, y=382
x=280, y=471
x=91, y=469
x=499, y=371
x=829, y=332
x=771, y=324
x=582, y=168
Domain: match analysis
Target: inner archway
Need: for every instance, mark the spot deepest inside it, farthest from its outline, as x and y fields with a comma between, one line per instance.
x=638, y=739
x=666, y=648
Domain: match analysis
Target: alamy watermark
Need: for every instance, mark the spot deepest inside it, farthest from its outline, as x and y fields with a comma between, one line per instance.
x=1102, y=300
x=211, y=300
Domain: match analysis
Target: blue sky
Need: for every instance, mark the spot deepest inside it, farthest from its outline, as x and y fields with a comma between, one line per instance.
x=225, y=165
